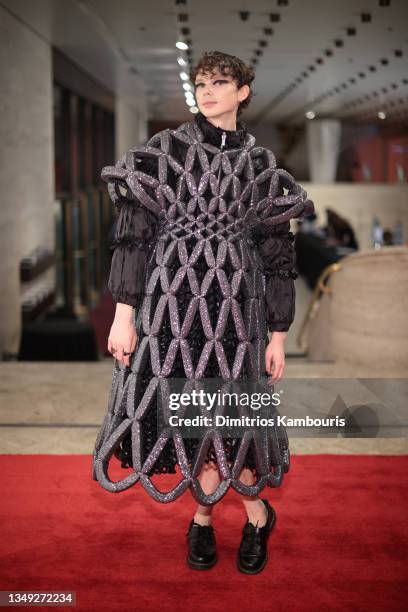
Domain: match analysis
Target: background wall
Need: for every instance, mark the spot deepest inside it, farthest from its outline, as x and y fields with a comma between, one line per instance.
x=26, y=162
x=359, y=202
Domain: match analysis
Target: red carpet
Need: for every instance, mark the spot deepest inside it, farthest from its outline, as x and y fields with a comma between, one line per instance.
x=340, y=541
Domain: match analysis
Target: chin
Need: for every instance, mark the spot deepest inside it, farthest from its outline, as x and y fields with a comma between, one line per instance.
x=212, y=111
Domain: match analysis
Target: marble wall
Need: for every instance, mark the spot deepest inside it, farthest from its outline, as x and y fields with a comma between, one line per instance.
x=26, y=166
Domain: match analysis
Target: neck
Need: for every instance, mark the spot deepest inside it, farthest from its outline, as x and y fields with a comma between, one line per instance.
x=225, y=121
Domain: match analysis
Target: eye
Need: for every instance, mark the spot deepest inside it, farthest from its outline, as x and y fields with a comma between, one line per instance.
x=197, y=85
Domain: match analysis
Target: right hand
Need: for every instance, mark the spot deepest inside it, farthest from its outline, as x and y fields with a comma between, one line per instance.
x=122, y=337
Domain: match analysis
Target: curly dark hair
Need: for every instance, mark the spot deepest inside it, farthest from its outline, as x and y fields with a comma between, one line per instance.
x=226, y=65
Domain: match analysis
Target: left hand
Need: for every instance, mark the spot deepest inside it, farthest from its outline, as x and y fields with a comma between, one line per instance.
x=275, y=357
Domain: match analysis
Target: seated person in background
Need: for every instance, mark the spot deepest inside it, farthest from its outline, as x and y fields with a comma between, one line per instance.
x=318, y=247
x=339, y=231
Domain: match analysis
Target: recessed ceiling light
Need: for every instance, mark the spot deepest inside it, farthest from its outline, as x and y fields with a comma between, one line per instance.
x=310, y=114
x=181, y=45
x=381, y=115
x=193, y=109
x=183, y=76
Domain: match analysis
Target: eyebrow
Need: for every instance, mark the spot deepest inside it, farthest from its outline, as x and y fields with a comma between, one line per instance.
x=219, y=76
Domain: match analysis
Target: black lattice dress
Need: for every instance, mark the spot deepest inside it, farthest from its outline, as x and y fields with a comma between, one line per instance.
x=204, y=252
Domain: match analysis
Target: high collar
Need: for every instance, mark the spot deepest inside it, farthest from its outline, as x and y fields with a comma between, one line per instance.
x=213, y=134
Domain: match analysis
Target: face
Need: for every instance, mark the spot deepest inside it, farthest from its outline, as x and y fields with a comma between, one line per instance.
x=217, y=94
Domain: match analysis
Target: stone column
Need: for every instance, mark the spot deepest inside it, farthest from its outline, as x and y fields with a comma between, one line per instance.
x=26, y=164
x=323, y=146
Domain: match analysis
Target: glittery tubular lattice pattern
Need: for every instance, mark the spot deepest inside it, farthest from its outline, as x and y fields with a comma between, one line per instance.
x=203, y=309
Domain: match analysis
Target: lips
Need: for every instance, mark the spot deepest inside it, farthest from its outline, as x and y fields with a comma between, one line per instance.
x=209, y=103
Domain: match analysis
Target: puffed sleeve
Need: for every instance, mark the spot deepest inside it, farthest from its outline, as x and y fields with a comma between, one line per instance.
x=276, y=248
x=275, y=241
x=136, y=229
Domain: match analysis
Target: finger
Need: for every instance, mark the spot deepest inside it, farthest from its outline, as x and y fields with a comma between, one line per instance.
x=269, y=364
x=276, y=374
x=279, y=372
x=126, y=358
x=119, y=353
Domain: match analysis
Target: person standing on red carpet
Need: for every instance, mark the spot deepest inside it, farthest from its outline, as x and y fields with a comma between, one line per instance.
x=203, y=243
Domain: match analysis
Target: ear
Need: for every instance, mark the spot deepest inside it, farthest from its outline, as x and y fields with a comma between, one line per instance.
x=243, y=92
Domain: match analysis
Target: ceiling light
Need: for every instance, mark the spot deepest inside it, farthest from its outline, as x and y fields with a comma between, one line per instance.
x=193, y=109
x=183, y=76
x=244, y=15
x=381, y=115
x=181, y=45
x=310, y=114
x=187, y=86
x=181, y=61
x=190, y=102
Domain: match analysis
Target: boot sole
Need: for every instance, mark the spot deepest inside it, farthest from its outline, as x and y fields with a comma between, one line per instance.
x=247, y=571
x=201, y=566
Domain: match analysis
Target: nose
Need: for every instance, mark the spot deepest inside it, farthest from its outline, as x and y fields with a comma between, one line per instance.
x=206, y=90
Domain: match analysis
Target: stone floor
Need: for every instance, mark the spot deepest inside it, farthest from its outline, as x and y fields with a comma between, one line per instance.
x=58, y=407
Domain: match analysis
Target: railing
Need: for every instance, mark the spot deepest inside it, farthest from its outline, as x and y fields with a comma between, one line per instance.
x=82, y=224
x=321, y=287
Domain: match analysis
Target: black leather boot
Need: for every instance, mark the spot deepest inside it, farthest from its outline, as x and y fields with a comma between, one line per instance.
x=202, y=548
x=253, y=550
